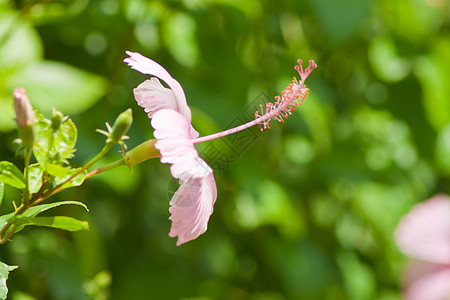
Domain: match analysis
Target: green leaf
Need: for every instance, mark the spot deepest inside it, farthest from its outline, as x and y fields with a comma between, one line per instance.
x=61, y=222
x=4, y=271
x=56, y=170
x=54, y=147
x=2, y=187
x=442, y=149
x=11, y=175
x=7, y=120
x=66, y=139
x=35, y=173
x=180, y=35
x=43, y=138
x=17, y=295
x=76, y=181
x=54, y=84
x=34, y=211
x=20, y=46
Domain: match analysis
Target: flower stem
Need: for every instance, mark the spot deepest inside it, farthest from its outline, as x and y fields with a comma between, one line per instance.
x=102, y=153
x=26, y=193
x=105, y=168
x=4, y=238
x=40, y=197
x=138, y=154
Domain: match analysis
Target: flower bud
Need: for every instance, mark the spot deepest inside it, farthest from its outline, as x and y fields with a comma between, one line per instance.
x=57, y=117
x=121, y=126
x=24, y=111
x=24, y=117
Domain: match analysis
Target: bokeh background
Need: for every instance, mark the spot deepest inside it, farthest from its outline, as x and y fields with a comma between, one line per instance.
x=305, y=210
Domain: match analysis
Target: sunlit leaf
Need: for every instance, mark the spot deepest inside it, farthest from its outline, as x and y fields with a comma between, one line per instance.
x=76, y=181
x=66, y=139
x=18, y=295
x=2, y=187
x=11, y=175
x=57, y=170
x=60, y=222
x=7, y=120
x=433, y=74
x=20, y=45
x=54, y=148
x=415, y=20
x=53, y=84
x=35, y=172
x=43, y=139
x=180, y=39
x=4, y=272
x=29, y=218
x=35, y=210
x=443, y=149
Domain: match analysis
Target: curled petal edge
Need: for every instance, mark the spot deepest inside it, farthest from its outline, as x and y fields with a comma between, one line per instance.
x=147, y=66
x=191, y=207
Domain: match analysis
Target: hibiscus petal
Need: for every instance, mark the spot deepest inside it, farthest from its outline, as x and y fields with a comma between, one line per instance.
x=174, y=135
x=147, y=66
x=424, y=233
x=191, y=207
x=153, y=96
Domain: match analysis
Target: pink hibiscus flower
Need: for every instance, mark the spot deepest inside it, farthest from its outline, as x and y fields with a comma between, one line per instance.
x=192, y=204
x=424, y=235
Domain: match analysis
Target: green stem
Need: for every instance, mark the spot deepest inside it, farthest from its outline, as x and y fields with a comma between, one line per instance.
x=4, y=238
x=40, y=197
x=59, y=187
x=8, y=236
x=140, y=153
x=26, y=192
x=25, y=203
x=105, y=168
x=95, y=159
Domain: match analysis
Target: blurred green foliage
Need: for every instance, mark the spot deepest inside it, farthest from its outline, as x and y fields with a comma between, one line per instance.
x=305, y=211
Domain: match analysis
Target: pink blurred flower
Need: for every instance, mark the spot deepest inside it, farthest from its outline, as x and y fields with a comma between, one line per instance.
x=192, y=204
x=424, y=235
